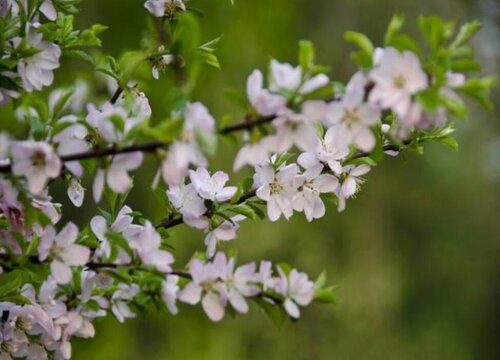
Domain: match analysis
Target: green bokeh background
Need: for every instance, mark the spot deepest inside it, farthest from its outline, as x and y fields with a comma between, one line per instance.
x=415, y=257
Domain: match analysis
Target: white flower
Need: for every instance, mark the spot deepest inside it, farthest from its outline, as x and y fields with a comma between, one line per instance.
x=186, y=200
x=264, y=102
x=36, y=161
x=63, y=250
x=285, y=77
x=71, y=140
x=169, y=292
x=331, y=151
x=297, y=289
x=5, y=7
x=124, y=294
x=226, y=231
x=161, y=64
x=160, y=8
x=239, y=283
x=198, y=123
x=212, y=187
x=47, y=9
x=310, y=185
x=37, y=71
x=277, y=189
x=76, y=192
x=254, y=153
x=293, y=129
x=398, y=77
x=205, y=286
x=180, y=156
x=351, y=180
x=104, y=122
x=116, y=174
x=122, y=225
x=353, y=117
x=146, y=243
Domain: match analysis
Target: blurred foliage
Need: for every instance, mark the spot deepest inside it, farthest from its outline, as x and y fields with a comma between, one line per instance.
x=415, y=257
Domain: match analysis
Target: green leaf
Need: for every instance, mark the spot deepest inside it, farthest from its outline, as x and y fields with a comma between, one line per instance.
x=394, y=28
x=244, y=210
x=467, y=31
x=307, y=55
x=325, y=295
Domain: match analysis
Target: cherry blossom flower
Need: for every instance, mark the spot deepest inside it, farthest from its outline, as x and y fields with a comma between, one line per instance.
x=37, y=71
x=36, y=161
x=351, y=181
x=71, y=140
x=63, y=250
x=120, y=299
x=161, y=8
x=212, y=187
x=160, y=65
x=205, y=287
x=397, y=78
x=187, y=201
x=297, y=289
x=116, y=174
x=264, y=102
x=277, y=189
x=310, y=185
x=76, y=192
x=169, y=292
x=239, y=283
x=285, y=77
x=353, y=117
x=146, y=243
x=122, y=225
x=180, y=156
x=226, y=231
x=293, y=129
x=255, y=153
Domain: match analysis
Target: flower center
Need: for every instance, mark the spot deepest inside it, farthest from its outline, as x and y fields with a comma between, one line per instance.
x=38, y=159
x=276, y=188
x=351, y=117
x=399, y=81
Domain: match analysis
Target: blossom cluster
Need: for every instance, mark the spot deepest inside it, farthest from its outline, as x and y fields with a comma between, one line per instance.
x=307, y=138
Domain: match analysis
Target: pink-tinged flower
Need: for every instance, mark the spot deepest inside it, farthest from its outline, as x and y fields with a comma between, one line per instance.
x=187, y=201
x=255, y=153
x=122, y=225
x=311, y=184
x=352, y=178
x=277, y=188
x=288, y=79
x=180, y=155
x=205, y=287
x=239, y=283
x=10, y=207
x=226, y=231
x=146, y=243
x=46, y=297
x=63, y=251
x=293, y=129
x=104, y=121
x=397, y=78
x=265, y=276
x=36, y=161
x=71, y=140
x=297, y=289
x=161, y=8
x=169, y=292
x=212, y=187
x=37, y=71
x=47, y=8
x=76, y=192
x=353, y=117
x=197, y=121
x=116, y=174
x=120, y=299
x=264, y=102
x=160, y=65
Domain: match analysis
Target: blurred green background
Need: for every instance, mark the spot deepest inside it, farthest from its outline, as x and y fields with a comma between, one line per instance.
x=415, y=257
